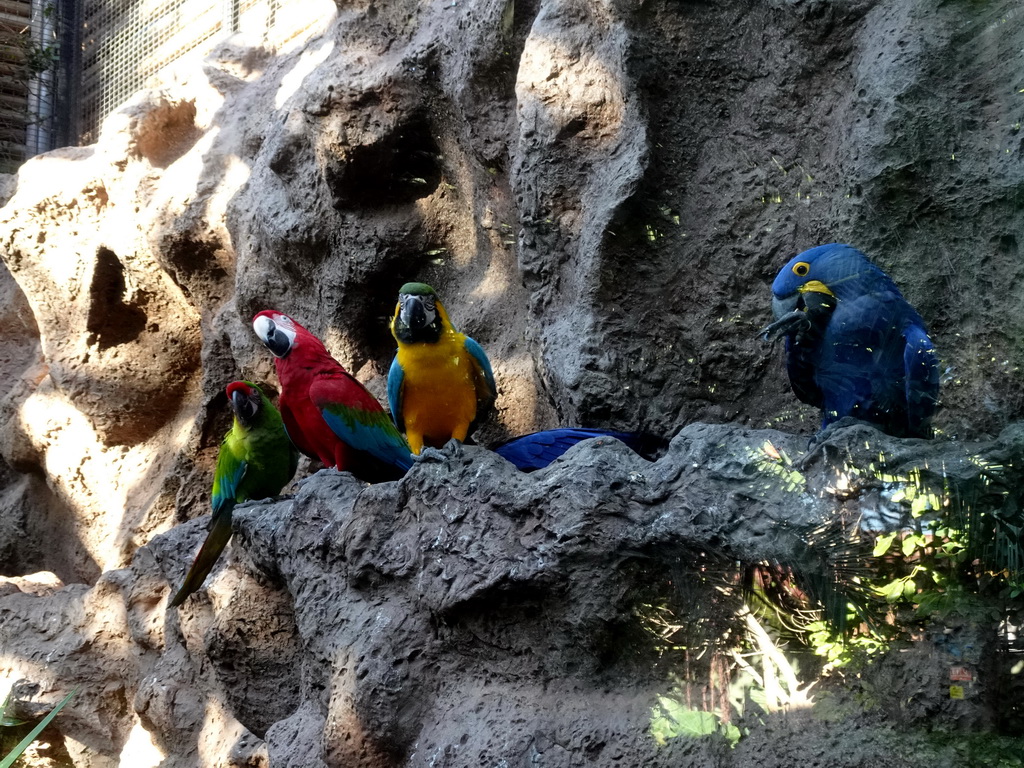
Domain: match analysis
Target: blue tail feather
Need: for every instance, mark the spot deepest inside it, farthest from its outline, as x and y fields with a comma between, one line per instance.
x=538, y=449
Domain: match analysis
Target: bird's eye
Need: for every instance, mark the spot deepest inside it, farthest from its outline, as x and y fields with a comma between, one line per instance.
x=801, y=268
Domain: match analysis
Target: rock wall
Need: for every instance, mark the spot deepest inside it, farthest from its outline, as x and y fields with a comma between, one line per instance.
x=471, y=615
x=600, y=190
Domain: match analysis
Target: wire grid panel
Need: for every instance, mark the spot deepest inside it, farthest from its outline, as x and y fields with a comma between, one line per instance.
x=127, y=42
x=28, y=51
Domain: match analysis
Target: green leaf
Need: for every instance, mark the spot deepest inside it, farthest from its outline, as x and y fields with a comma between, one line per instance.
x=694, y=723
x=913, y=542
x=671, y=719
x=895, y=590
x=8, y=761
x=731, y=733
x=883, y=543
x=909, y=588
x=7, y=718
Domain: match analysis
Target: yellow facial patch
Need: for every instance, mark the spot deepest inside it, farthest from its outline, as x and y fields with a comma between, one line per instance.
x=815, y=286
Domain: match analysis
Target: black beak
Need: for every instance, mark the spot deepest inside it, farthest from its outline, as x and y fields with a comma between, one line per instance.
x=277, y=342
x=244, y=407
x=413, y=314
x=789, y=319
x=782, y=307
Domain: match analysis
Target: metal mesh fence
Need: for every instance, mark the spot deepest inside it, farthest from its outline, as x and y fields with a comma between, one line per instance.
x=30, y=79
x=126, y=42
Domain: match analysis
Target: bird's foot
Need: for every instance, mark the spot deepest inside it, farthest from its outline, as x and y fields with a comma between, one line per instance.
x=805, y=461
x=429, y=454
x=792, y=322
x=817, y=443
x=452, y=450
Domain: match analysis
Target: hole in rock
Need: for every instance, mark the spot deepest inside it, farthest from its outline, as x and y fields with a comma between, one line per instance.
x=112, y=319
x=399, y=168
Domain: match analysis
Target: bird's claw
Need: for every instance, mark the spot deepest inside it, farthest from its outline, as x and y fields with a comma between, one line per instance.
x=429, y=454
x=814, y=450
x=451, y=450
x=792, y=322
x=816, y=445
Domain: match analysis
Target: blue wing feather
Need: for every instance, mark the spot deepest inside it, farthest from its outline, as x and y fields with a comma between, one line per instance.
x=396, y=378
x=373, y=433
x=484, y=366
x=876, y=363
x=538, y=449
x=922, y=374
x=227, y=490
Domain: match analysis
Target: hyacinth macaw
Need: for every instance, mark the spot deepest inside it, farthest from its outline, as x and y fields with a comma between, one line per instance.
x=256, y=460
x=329, y=415
x=538, y=449
x=440, y=383
x=854, y=346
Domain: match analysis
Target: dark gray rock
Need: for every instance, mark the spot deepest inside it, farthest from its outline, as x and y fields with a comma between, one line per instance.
x=470, y=614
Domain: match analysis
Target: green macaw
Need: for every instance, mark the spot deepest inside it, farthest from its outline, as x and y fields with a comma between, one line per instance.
x=256, y=460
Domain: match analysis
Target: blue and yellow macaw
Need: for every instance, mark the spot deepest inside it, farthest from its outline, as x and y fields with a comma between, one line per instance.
x=854, y=346
x=440, y=383
x=256, y=460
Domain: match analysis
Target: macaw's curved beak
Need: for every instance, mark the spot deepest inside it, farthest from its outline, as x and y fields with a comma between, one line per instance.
x=413, y=313
x=782, y=307
x=789, y=318
x=244, y=406
x=273, y=337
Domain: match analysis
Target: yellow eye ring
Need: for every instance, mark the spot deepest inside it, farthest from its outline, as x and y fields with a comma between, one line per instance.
x=801, y=268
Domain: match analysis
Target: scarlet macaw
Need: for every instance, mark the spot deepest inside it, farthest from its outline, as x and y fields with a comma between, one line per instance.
x=329, y=415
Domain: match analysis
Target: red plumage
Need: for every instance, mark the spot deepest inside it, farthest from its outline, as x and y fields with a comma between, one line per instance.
x=311, y=380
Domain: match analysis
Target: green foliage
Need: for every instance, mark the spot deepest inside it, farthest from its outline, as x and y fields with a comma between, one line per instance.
x=671, y=719
x=28, y=56
x=10, y=721
x=7, y=718
x=850, y=650
x=40, y=58
x=958, y=553
x=846, y=595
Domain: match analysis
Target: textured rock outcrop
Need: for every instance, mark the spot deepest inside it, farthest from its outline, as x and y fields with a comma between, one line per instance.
x=601, y=193
x=600, y=190
x=470, y=614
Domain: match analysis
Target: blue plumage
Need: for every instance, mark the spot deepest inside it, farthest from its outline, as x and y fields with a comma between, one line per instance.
x=364, y=432
x=538, y=449
x=480, y=358
x=854, y=346
x=396, y=378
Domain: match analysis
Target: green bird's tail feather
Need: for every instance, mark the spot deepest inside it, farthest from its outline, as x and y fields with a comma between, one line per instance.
x=216, y=540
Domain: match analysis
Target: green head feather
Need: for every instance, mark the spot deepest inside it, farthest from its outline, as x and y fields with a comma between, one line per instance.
x=417, y=289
